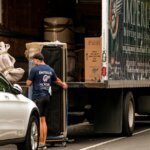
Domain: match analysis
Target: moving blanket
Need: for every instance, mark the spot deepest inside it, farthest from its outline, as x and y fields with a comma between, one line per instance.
x=7, y=64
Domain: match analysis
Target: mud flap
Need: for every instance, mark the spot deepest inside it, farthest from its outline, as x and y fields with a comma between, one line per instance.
x=108, y=112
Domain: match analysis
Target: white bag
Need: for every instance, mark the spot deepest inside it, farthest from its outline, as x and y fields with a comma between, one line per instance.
x=6, y=61
x=14, y=74
x=7, y=64
x=4, y=47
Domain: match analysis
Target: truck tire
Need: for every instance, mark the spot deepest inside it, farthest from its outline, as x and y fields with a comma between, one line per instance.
x=128, y=114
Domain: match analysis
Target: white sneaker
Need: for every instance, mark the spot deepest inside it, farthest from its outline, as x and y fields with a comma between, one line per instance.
x=45, y=147
x=42, y=146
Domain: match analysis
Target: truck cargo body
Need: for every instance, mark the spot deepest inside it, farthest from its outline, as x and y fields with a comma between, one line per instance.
x=123, y=90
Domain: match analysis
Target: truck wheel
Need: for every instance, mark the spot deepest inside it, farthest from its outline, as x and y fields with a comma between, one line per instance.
x=128, y=114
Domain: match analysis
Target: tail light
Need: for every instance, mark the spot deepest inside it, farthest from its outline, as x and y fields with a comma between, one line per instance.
x=104, y=71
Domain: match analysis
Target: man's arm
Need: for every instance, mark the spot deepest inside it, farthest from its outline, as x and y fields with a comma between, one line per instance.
x=60, y=83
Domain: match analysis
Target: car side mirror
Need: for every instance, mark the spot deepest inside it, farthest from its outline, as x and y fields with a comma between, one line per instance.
x=17, y=89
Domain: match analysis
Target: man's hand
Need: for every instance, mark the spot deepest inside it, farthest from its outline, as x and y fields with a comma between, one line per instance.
x=64, y=85
x=60, y=83
x=28, y=82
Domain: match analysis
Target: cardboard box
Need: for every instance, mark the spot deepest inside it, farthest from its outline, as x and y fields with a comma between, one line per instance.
x=92, y=58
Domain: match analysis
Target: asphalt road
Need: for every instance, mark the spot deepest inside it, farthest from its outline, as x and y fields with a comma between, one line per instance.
x=81, y=137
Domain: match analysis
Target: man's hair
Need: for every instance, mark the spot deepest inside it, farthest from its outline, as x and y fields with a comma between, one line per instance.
x=38, y=56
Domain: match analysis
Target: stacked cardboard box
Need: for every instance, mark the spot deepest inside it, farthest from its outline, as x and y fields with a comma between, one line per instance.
x=92, y=58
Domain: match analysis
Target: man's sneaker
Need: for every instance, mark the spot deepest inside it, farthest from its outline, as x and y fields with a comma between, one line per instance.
x=42, y=146
x=45, y=147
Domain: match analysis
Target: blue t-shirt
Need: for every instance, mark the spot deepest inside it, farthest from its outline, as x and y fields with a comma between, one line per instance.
x=41, y=77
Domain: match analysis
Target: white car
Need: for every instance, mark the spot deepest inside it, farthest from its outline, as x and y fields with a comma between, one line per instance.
x=19, y=117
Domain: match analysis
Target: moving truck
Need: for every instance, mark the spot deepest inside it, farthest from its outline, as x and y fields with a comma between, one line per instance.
x=120, y=62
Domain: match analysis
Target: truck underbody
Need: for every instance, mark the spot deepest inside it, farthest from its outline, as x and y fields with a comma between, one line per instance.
x=109, y=106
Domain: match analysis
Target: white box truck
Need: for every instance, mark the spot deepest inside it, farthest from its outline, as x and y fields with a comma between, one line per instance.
x=124, y=86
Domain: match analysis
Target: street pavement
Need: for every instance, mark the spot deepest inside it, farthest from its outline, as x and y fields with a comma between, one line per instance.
x=81, y=137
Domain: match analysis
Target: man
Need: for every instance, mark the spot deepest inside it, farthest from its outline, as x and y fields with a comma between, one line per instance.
x=41, y=76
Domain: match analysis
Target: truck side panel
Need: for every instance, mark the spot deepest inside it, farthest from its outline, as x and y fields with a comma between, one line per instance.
x=128, y=39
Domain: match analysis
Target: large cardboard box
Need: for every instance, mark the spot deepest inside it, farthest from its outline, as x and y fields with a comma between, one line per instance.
x=92, y=58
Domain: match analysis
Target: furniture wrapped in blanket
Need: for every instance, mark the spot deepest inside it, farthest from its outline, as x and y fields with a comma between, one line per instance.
x=32, y=48
x=7, y=64
x=36, y=47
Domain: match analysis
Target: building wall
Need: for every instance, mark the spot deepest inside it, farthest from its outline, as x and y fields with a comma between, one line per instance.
x=22, y=21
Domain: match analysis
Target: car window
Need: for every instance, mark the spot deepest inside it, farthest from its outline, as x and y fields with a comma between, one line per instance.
x=4, y=86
